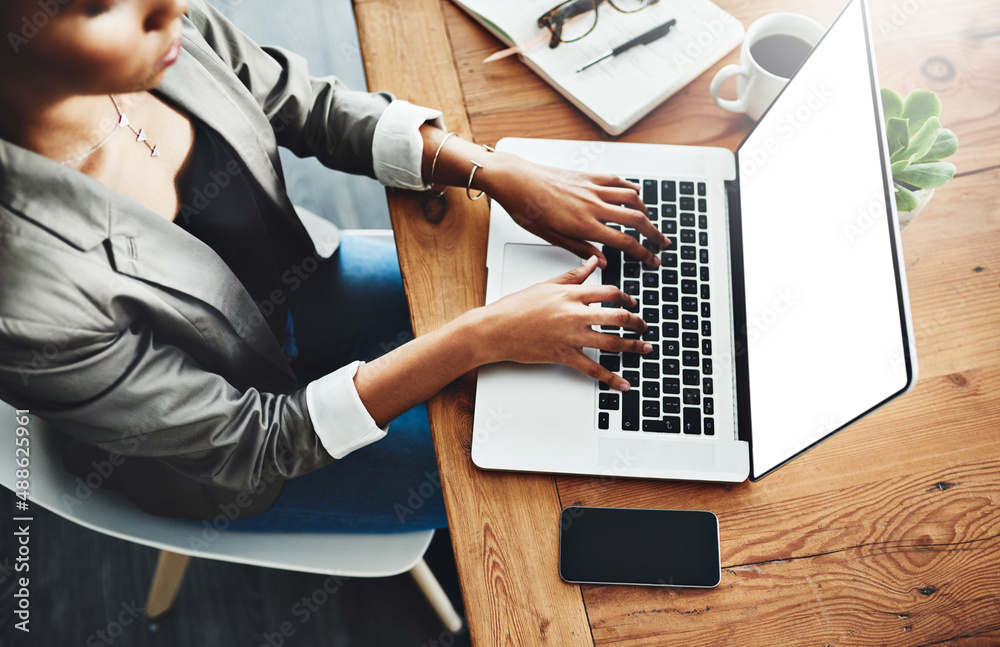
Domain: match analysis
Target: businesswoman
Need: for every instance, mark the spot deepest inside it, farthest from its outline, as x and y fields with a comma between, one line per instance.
x=164, y=305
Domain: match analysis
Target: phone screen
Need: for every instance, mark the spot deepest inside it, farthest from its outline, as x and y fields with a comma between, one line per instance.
x=639, y=546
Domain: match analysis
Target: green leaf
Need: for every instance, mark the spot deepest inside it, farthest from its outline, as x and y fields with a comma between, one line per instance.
x=905, y=199
x=919, y=106
x=892, y=104
x=926, y=176
x=946, y=144
x=900, y=166
x=896, y=131
x=922, y=140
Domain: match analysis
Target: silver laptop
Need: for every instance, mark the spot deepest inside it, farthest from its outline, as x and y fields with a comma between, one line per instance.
x=779, y=316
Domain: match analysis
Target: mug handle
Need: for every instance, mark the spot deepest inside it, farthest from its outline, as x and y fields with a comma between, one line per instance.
x=721, y=77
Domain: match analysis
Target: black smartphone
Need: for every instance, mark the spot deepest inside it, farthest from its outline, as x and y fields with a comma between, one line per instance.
x=639, y=546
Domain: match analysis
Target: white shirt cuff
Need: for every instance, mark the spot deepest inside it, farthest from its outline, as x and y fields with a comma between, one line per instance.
x=397, y=146
x=340, y=419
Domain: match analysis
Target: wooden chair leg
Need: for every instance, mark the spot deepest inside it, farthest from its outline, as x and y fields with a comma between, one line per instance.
x=436, y=596
x=167, y=580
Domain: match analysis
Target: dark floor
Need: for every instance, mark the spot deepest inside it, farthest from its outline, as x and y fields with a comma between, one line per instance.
x=87, y=589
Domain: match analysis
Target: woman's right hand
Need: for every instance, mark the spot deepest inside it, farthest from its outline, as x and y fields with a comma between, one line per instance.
x=551, y=323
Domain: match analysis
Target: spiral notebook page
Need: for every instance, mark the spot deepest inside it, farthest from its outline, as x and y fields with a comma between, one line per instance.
x=619, y=91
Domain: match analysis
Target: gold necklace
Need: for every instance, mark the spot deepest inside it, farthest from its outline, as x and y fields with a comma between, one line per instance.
x=140, y=136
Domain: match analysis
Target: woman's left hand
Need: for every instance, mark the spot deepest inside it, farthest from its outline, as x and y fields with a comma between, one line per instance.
x=570, y=209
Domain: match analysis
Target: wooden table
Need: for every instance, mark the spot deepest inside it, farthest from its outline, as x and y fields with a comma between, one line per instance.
x=887, y=534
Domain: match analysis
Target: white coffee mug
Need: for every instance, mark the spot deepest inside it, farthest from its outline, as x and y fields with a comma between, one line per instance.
x=760, y=81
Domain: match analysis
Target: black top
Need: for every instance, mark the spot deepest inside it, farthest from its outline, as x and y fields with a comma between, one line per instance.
x=224, y=208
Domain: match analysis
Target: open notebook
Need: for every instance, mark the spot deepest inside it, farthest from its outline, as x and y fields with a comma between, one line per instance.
x=619, y=91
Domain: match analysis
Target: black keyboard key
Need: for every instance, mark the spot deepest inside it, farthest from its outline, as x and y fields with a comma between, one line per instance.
x=687, y=220
x=671, y=330
x=651, y=315
x=611, y=362
x=706, y=346
x=709, y=425
x=630, y=360
x=702, y=205
x=690, y=377
x=687, y=188
x=706, y=328
x=689, y=340
x=705, y=291
x=703, y=256
x=689, y=358
x=650, y=280
x=689, y=286
x=669, y=311
x=670, y=295
x=706, y=366
x=652, y=213
x=702, y=222
x=669, y=277
x=603, y=421
x=671, y=348
x=630, y=411
x=668, y=259
x=650, y=299
x=669, y=211
x=650, y=389
x=650, y=370
x=669, y=190
x=689, y=322
x=687, y=236
x=707, y=386
x=654, y=353
x=631, y=287
x=703, y=238
x=671, y=366
x=602, y=386
x=655, y=426
x=702, y=189
x=607, y=401
x=650, y=409
x=612, y=272
x=689, y=253
x=632, y=377
x=689, y=269
x=703, y=273
x=706, y=310
x=671, y=405
x=671, y=386
x=672, y=424
x=689, y=304
x=692, y=396
x=709, y=406
x=631, y=270
x=650, y=195
x=669, y=227
x=692, y=420
x=687, y=204
x=652, y=333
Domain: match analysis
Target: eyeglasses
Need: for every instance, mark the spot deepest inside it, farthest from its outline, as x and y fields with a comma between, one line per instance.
x=572, y=20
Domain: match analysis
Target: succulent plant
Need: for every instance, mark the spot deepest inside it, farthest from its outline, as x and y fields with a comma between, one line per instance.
x=917, y=144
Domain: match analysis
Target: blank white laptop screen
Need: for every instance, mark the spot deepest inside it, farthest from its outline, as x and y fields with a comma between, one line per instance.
x=825, y=336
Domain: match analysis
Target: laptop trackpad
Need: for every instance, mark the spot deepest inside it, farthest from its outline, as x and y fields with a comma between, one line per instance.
x=525, y=265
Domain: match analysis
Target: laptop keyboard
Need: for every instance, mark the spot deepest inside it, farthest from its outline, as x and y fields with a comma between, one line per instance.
x=672, y=386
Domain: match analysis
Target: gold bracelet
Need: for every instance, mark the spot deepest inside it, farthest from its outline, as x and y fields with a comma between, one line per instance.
x=435, y=161
x=475, y=167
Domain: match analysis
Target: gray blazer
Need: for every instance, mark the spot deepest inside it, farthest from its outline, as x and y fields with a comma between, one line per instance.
x=131, y=336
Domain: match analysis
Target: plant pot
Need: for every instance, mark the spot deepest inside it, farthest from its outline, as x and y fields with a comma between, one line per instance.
x=923, y=197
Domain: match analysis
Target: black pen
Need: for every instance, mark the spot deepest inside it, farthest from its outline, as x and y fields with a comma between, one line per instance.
x=643, y=39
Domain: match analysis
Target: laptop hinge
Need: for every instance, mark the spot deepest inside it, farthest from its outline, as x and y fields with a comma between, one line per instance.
x=741, y=370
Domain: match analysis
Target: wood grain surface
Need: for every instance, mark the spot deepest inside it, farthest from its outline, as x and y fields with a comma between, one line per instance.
x=887, y=534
